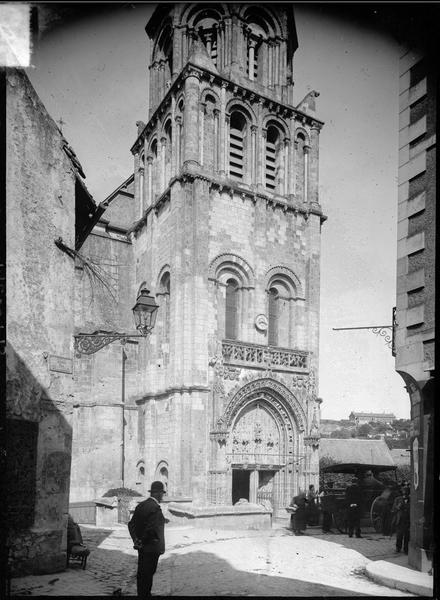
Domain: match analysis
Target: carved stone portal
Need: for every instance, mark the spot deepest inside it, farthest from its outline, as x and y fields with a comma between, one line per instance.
x=256, y=437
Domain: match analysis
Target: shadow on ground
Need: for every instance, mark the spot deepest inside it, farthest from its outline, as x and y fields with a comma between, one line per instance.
x=201, y=573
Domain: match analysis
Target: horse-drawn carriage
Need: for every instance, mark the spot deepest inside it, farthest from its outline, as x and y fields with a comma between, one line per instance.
x=368, y=460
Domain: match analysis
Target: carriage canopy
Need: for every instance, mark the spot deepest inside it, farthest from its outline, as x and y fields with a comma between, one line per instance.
x=354, y=455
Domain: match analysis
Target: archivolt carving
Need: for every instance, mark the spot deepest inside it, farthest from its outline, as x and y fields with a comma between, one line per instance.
x=289, y=274
x=223, y=260
x=275, y=393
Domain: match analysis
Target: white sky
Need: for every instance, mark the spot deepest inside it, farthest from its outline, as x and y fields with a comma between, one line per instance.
x=93, y=74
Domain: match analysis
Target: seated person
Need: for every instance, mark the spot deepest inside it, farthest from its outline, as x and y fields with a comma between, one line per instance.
x=75, y=545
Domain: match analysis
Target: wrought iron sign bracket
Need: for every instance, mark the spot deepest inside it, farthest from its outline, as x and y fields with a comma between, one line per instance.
x=89, y=343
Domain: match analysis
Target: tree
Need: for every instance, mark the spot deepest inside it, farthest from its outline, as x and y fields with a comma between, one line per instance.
x=342, y=434
x=364, y=430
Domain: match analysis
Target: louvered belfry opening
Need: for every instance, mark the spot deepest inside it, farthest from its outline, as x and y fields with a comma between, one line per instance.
x=272, y=151
x=237, y=135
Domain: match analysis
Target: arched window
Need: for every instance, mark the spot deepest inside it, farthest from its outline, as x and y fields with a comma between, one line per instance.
x=162, y=473
x=260, y=27
x=281, y=307
x=231, y=314
x=205, y=23
x=273, y=317
x=161, y=64
x=237, y=145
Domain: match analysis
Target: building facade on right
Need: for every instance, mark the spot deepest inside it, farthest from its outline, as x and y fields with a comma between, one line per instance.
x=414, y=316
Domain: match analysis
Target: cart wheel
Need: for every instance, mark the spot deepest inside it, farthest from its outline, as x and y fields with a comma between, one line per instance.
x=376, y=514
x=340, y=520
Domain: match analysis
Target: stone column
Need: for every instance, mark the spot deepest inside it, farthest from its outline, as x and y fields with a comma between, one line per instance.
x=163, y=163
x=216, y=149
x=192, y=118
x=137, y=190
x=222, y=128
x=286, y=190
x=253, y=487
x=141, y=190
x=251, y=50
x=178, y=142
x=254, y=129
x=149, y=185
x=202, y=111
x=292, y=323
x=277, y=63
x=226, y=150
x=145, y=165
x=292, y=156
x=314, y=165
x=173, y=170
x=263, y=156
x=306, y=172
x=228, y=42
x=269, y=63
x=283, y=74
x=177, y=51
x=279, y=187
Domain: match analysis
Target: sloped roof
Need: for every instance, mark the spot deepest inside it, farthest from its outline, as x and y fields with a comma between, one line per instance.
x=353, y=452
x=365, y=414
x=199, y=56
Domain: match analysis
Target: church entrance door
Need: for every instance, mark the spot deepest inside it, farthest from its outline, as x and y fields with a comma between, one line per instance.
x=240, y=485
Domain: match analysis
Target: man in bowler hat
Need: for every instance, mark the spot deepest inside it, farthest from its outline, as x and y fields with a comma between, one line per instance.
x=353, y=500
x=146, y=528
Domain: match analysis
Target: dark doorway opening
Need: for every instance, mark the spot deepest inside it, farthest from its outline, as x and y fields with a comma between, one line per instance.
x=240, y=484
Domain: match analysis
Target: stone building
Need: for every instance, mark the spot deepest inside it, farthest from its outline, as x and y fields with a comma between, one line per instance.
x=361, y=417
x=220, y=401
x=414, y=325
x=48, y=212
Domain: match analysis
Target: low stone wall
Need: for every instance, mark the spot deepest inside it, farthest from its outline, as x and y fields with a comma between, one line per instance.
x=244, y=516
x=106, y=511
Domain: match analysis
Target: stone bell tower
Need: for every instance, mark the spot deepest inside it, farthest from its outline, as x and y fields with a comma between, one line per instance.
x=228, y=239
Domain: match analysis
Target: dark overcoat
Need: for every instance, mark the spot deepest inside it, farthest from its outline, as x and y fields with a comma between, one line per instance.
x=148, y=525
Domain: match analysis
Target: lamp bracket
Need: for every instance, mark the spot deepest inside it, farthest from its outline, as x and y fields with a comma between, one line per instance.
x=89, y=343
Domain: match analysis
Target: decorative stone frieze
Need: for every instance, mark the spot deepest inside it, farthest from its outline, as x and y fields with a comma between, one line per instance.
x=256, y=356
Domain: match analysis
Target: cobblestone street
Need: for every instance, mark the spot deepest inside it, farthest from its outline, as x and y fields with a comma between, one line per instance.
x=207, y=562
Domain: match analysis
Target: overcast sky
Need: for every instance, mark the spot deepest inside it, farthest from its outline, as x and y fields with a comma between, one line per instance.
x=93, y=74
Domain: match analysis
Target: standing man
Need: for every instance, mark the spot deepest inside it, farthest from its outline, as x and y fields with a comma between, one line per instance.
x=400, y=513
x=353, y=501
x=146, y=528
x=327, y=499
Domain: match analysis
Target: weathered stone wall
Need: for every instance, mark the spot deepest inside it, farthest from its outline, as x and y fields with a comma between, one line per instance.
x=106, y=380
x=40, y=208
x=415, y=302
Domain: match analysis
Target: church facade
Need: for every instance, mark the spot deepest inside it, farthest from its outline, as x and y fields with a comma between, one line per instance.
x=220, y=401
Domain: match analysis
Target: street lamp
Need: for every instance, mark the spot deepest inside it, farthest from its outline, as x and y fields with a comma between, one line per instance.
x=144, y=312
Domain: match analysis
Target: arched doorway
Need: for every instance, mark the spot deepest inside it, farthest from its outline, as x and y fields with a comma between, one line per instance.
x=258, y=448
x=265, y=445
